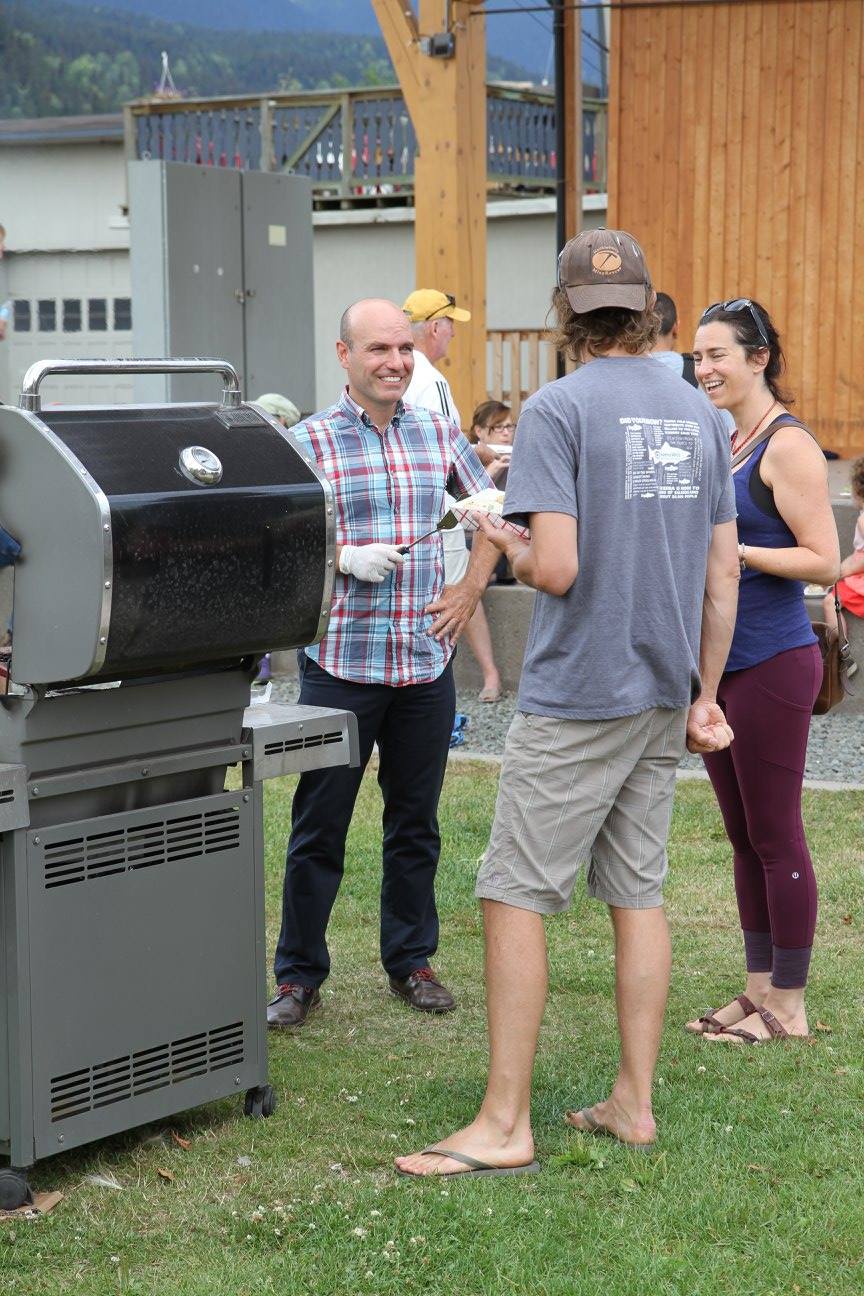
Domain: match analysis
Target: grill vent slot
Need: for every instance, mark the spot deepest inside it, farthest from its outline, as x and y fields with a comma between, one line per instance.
x=162, y=841
x=301, y=744
x=7, y=795
x=127, y=1077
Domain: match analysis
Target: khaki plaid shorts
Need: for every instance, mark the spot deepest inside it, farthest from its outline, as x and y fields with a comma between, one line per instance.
x=577, y=791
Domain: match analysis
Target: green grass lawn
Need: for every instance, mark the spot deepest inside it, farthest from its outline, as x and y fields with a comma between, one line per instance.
x=756, y=1187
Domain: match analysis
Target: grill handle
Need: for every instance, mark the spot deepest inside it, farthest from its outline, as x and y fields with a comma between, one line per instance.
x=30, y=399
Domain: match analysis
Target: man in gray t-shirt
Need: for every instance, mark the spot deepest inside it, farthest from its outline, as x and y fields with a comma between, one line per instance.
x=641, y=461
x=622, y=472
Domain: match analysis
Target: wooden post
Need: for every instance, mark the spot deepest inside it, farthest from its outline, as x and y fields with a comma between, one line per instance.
x=265, y=126
x=573, y=119
x=446, y=99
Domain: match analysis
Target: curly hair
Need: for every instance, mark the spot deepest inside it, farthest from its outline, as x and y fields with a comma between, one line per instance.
x=856, y=478
x=747, y=334
x=596, y=332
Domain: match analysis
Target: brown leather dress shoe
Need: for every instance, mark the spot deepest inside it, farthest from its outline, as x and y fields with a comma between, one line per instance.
x=292, y=1006
x=423, y=991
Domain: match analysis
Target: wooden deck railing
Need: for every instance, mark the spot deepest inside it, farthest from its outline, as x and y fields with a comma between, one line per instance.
x=357, y=145
x=518, y=362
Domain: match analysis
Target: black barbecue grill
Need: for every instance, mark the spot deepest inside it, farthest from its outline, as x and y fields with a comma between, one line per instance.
x=164, y=550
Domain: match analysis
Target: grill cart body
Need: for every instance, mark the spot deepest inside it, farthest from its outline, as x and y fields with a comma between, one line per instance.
x=164, y=550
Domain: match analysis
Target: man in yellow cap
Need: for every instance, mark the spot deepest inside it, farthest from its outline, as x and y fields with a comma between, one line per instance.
x=432, y=315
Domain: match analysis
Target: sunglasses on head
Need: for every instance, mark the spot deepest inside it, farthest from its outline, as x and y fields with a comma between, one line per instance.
x=737, y=304
x=451, y=301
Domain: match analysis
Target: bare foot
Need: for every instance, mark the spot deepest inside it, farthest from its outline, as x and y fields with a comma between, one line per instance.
x=479, y=1140
x=729, y=1015
x=755, y=1025
x=610, y=1118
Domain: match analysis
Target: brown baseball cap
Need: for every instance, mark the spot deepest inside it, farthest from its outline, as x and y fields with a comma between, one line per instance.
x=604, y=267
x=430, y=304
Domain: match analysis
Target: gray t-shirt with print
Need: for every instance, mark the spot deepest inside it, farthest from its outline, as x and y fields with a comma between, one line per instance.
x=642, y=460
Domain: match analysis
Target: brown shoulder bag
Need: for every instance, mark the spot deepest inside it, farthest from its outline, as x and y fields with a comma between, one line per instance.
x=836, y=660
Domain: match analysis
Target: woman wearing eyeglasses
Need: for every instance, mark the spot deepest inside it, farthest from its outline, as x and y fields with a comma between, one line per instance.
x=787, y=537
x=492, y=428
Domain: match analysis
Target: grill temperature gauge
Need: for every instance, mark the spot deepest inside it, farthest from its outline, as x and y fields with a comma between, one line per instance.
x=200, y=465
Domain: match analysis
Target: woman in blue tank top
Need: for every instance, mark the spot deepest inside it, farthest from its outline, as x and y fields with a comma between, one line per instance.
x=787, y=536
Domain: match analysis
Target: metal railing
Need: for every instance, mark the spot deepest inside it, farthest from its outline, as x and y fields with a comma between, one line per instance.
x=357, y=145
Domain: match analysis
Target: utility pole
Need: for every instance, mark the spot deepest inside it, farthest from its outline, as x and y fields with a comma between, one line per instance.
x=567, y=32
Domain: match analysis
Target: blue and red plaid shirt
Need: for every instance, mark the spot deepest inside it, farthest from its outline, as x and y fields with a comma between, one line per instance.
x=389, y=489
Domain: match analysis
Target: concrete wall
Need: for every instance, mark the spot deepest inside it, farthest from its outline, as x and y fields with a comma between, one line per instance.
x=366, y=254
x=59, y=197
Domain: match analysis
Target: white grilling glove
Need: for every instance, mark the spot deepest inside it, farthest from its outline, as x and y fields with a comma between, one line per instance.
x=371, y=562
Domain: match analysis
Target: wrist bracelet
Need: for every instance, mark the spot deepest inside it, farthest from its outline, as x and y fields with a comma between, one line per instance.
x=742, y=557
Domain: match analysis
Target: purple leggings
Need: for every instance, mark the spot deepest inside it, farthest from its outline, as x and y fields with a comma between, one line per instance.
x=758, y=785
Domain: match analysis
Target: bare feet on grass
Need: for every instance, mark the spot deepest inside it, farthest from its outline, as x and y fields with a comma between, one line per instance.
x=481, y=1140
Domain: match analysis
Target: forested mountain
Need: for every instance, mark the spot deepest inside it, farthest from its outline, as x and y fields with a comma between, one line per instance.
x=62, y=58
x=524, y=38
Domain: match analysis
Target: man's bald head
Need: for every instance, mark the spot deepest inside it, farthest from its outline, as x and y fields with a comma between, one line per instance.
x=368, y=310
x=376, y=350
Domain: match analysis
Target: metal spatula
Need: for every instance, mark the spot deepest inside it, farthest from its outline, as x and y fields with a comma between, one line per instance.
x=447, y=523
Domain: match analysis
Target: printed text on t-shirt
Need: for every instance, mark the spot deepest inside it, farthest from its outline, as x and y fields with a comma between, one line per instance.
x=663, y=457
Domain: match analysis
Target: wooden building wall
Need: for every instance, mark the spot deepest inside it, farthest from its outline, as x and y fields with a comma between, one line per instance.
x=736, y=157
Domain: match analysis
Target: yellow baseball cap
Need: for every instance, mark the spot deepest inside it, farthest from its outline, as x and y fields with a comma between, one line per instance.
x=430, y=304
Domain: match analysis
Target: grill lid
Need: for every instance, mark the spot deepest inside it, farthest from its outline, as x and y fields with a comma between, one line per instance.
x=160, y=538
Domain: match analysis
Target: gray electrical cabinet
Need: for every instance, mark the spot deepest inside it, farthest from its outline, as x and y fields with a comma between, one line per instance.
x=222, y=265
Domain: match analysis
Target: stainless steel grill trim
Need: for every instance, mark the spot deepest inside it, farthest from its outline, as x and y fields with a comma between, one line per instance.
x=30, y=399
x=330, y=514
x=100, y=647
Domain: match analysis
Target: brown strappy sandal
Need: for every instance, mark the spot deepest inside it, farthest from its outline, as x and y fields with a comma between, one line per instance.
x=710, y=1024
x=776, y=1030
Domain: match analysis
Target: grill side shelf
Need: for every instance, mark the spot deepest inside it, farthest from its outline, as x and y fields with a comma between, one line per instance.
x=14, y=806
x=293, y=739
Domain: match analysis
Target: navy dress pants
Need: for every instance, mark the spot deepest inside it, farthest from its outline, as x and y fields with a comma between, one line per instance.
x=412, y=727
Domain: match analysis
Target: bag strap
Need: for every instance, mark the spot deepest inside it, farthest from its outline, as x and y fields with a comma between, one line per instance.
x=842, y=631
x=688, y=369
x=782, y=420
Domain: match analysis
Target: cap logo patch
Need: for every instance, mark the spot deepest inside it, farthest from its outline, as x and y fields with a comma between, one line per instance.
x=606, y=262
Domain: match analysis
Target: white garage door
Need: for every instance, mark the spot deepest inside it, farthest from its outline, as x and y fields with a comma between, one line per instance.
x=72, y=306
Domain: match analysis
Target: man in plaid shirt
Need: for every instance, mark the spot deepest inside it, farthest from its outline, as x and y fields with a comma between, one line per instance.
x=387, y=656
